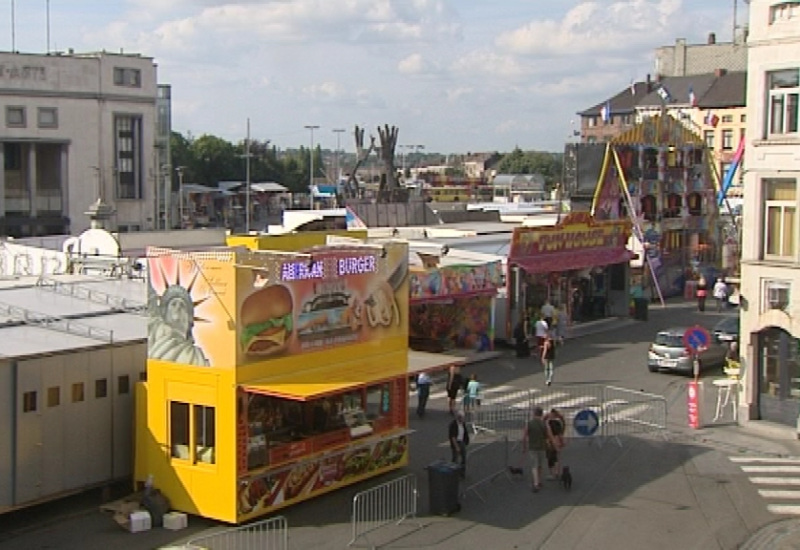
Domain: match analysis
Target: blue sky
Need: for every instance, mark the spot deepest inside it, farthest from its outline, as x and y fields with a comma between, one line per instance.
x=455, y=76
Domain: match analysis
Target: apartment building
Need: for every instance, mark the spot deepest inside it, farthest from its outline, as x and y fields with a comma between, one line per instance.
x=683, y=59
x=75, y=127
x=770, y=310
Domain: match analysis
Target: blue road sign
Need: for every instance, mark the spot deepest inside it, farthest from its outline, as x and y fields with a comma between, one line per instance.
x=586, y=422
x=696, y=339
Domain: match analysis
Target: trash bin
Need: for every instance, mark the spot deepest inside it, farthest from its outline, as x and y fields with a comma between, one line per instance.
x=443, y=478
x=640, y=306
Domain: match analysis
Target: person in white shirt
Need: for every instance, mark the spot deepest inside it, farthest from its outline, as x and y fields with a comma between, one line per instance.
x=423, y=392
x=540, y=330
x=720, y=292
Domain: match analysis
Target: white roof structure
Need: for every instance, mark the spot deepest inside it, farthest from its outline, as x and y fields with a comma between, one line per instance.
x=268, y=187
x=69, y=312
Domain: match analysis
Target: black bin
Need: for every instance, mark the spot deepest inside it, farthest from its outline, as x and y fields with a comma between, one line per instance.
x=640, y=306
x=443, y=478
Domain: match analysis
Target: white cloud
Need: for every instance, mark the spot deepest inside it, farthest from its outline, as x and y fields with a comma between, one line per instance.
x=596, y=27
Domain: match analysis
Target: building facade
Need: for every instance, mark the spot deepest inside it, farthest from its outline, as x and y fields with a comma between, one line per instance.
x=76, y=127
x=684, y=59
x=770, y=316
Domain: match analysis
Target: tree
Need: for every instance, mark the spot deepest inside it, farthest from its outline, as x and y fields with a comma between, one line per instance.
x=215, y=160
x=549, y=165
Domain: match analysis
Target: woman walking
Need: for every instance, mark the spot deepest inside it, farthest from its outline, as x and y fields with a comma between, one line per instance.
x=702, y=290
x=548, y=358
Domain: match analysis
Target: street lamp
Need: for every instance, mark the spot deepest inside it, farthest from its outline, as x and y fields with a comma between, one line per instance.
x=179, y=170
x=247, y=178
x=311, y=127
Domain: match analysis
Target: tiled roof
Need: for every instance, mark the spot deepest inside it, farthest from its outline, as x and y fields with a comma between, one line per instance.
x=710, y=90
x=729, y=90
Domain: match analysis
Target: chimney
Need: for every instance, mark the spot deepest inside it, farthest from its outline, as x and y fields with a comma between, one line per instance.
x=649, y=84
x=720, y=72
x=712, y=38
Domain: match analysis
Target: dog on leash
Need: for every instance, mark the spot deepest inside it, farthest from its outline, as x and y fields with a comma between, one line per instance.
x=516, y=471
x=566, y=478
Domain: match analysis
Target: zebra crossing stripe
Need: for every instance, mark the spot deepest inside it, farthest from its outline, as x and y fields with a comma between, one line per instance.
x=784, y=509
x=775, y=480
x=764, y=460
x=624, y=414
x=573, y=403
x=779, y=494
x=771, y=469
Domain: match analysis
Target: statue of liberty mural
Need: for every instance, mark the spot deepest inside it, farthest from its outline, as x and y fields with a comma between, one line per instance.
x=170, y=322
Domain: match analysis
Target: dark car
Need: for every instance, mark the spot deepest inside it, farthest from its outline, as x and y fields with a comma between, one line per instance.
x=727, y=330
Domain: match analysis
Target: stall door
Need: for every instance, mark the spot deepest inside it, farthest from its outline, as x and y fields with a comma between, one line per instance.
x=28, y=482
x=54, y=430
x=100, y=418
x=78, y=444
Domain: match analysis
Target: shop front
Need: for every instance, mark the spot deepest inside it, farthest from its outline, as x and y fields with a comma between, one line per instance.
x=778, y=376
x=579, y=266
x=453, y=306
x=273, y=377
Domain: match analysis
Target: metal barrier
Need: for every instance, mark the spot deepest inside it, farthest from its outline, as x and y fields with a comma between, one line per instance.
x=482, y=460
x=390, y=502
x=503, y=414
x=630, y=412
x=269, y=534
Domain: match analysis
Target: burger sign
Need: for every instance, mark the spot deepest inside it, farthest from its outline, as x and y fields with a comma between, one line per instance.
x=267, y=321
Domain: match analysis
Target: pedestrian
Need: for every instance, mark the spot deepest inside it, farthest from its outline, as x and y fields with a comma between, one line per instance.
x=720, y=292
x=555, y=423
x=701, y=293
x=459, y=439
x=423, y=392
x=454, y=382
x=534, y=438
x=472, y=394
x=540, y=330
x=548, y=311
x=521, y=338
x=548, y=358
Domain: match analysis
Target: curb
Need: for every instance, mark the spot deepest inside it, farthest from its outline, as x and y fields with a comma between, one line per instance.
x=783, y=534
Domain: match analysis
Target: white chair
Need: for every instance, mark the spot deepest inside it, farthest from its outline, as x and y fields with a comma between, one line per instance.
x=728, y=389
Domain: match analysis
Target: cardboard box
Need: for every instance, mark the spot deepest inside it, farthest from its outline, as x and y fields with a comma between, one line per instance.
x=140, y=521
x=175, y=521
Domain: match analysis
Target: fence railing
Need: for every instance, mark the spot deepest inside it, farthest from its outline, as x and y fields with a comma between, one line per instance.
x=390, y=502
x=269, y=534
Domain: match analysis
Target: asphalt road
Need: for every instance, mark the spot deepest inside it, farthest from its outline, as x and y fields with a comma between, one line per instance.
x=682, y=489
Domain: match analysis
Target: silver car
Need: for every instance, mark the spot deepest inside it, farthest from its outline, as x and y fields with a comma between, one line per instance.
x=668, y=353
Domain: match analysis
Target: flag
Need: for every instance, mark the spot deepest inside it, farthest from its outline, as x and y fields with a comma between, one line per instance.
x=605, y=112
x=711, y=119
x=352, y=220
x=663, y=93
x=692, y=97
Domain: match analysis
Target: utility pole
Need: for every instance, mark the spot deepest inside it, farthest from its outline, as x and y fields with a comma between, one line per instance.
x=311, y=127
x=338, y=132
x=179, y=170
x=247, y=178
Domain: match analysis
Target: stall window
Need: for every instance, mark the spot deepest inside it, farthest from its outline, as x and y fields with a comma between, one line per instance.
x=179, y=429
x=53, y=396
x=378, y=401
x=77, y=392
x=648, y=205
x=673, y=209
x=123, y=384
x=204, y=434
x=100, y=388
x=29, y=401
x=695, y=204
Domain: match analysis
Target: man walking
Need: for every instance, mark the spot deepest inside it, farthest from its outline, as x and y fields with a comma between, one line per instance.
x=459, y=439
x=423, y=392
x=548, y=358
x=535, y=438
x=720, y=293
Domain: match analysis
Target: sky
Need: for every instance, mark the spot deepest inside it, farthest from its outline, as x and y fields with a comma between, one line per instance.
x=454, y=76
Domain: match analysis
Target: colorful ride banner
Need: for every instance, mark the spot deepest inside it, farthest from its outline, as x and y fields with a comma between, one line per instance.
x=455, y=281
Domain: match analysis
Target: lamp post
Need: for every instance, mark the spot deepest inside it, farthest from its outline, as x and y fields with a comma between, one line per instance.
x=247, y=180
x=311, y=128
x=338, y=132
x=179, y=170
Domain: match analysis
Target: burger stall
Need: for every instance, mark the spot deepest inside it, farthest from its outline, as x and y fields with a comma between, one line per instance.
x=272, y=377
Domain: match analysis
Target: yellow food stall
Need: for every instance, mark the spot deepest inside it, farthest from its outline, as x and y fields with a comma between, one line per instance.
x=272, y=376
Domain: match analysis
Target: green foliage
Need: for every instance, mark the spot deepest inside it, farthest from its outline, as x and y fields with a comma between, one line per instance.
x=548, y=165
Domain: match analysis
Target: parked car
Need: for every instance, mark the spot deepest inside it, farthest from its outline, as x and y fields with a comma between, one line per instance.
x=668, y=353
x=727, y=330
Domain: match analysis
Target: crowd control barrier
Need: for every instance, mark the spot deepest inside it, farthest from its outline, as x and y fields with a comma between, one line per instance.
x=269, y=534
x=390, y=502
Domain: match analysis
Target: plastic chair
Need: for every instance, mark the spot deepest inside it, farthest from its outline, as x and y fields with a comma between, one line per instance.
x=726, y=386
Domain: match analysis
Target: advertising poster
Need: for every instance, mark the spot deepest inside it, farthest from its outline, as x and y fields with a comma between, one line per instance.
x=454, y=281
x=190, y=301
x=327, y=298
x=263, y=493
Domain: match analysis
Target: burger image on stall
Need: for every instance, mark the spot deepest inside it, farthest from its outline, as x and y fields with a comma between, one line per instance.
x=266, y=318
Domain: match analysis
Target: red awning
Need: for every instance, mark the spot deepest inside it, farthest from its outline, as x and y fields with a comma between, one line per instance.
x=566, y=261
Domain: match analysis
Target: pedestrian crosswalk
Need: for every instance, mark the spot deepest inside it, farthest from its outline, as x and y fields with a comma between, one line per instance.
x=777, y=480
